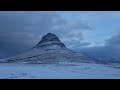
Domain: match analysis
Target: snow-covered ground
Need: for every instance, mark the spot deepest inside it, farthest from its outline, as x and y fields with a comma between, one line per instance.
x=61, y=71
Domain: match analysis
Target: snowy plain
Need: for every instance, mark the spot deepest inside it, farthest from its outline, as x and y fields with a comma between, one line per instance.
x=59, y=71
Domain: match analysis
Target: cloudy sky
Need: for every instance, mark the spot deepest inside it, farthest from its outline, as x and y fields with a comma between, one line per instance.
x=93, y=32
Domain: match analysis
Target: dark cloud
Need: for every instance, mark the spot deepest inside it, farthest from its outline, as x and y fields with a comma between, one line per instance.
x=20, y=30
x=14, y=43
x=109, y=52
x=114, y=40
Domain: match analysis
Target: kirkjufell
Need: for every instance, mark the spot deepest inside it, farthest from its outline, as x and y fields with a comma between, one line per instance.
x=50, y=50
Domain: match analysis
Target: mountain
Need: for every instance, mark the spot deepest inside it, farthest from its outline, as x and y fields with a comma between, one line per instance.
x=50, y=50
x=50, y=40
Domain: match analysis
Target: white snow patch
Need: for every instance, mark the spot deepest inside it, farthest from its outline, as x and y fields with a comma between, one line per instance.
x=61, y=71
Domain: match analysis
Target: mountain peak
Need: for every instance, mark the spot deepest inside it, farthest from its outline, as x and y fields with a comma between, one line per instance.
x=50, y=34
x=50, y=40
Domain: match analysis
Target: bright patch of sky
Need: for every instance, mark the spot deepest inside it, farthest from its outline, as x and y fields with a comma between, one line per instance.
x=104, y=24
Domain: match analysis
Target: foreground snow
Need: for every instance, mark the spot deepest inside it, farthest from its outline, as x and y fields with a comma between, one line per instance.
x=61, y=71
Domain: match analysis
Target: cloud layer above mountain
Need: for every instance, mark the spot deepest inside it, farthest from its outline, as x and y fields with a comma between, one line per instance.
x=21, y=30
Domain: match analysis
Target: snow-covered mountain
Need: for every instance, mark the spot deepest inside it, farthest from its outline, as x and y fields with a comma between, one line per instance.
x=50, y=50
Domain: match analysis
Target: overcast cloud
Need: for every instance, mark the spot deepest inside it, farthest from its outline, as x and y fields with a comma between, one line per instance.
x=21, y=30
x=110, y=51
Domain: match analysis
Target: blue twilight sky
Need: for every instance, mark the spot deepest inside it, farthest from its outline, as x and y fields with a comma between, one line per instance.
x=92, y=32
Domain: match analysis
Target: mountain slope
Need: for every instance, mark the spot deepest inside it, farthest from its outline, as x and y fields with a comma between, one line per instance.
x=50, y=50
